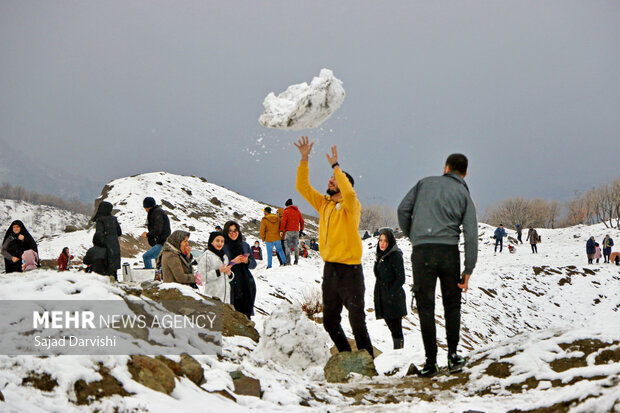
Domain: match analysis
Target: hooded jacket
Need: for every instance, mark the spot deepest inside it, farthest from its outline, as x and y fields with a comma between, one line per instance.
x=158, y=225
x=270, y=228
x=175, y=266
x=389, y=269
x=106, y=236
x=433, y=211
x=292, y=220
x=30, y=258
x=338, y=221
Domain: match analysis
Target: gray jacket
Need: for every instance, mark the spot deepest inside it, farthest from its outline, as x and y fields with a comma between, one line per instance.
x=433, y=211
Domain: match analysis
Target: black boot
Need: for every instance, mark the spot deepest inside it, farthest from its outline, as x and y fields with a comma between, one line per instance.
x=398, y=343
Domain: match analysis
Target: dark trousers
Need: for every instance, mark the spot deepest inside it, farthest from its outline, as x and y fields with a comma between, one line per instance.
x=534, y=249
x=430, y=262
x=343, y=285
x=396, y=327
x=519, y=238
x=499, y=241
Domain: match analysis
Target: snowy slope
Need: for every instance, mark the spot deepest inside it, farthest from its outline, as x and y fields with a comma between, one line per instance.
x=542, y=331
x=192, y=204
x=40, y=220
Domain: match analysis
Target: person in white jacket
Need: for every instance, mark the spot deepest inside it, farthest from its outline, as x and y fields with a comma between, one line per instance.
x=214, y=270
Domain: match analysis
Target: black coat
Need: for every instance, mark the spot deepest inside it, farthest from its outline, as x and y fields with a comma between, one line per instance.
x=590, y=247
x=12, y=246
x=106, y=235
x=243, y=287
x=158, y=225
x=390, y=301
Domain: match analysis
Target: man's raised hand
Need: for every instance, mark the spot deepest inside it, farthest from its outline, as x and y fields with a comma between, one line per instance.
x=304, y=146
x=334, y=158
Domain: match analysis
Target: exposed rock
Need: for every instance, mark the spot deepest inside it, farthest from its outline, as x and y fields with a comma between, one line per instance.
x=71, y=228
x=151, y=373
x=246, y=386
x=192, y=369
x=172, y=365
x=342, y=364
x=1, y=397
x=304, y=106
x=41, y=381
x=353, y=344
x=413, y=370
x=235, y=323
x=226, y=394
x=87, y=393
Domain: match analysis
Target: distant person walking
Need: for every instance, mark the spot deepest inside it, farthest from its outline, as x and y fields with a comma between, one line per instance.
x=341, y=248
x=499, y=235
x=107, y=231
x=243, y=286
x=389, y=296
x=519, y=233
x=64, y=259
x=270, y=234
x=432, y=214
x=158, y=226
x=607, y=244
x=292, y=223
x=532, y=236
x=16, y=240
x=590, y=249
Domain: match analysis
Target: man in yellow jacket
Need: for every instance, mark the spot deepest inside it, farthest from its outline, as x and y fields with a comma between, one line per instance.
x=341, y=248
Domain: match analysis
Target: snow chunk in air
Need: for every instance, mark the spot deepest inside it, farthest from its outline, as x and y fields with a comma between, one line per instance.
x=304, y=106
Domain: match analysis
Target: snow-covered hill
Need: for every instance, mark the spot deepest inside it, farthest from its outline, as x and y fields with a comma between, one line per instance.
x=193, y=204
x=542, y=330
x=40, y=220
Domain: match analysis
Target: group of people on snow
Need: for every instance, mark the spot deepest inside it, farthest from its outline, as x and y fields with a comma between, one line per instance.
x=532, y=236
x=433, y=226
x=594, y=252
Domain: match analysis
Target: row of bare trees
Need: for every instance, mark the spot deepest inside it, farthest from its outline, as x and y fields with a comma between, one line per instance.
x=600, y=204
x=18, y=193
x=377, y=216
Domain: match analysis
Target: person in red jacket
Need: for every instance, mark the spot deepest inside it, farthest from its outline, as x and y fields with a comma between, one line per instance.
x=292, y=223
x=64, y=259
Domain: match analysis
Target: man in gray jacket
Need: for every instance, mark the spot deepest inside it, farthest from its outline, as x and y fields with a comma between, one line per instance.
x=432, y=214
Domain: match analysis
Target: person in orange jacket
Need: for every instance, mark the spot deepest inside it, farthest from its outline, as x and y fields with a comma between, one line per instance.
x=341, y=249
x=270, y=234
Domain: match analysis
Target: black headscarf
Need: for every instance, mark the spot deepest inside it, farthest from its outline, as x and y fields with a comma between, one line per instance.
x=234, y=247
x=391, y=243
x=29, y=243
x=65, y=251
x=104, y=210
x=212, y=236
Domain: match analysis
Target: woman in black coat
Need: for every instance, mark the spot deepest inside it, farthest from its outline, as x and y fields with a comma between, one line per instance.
x=16, y=240
x=106, y=236
x=243, y=287
x=389, y=294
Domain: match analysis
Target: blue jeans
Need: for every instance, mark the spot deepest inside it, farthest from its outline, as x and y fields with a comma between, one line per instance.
x=150, y=255
x=499, y=241
x=278, y=247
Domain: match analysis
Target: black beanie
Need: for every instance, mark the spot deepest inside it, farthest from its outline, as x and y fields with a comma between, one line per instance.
x=148, y=202
x=350, y=178
x=288, y=202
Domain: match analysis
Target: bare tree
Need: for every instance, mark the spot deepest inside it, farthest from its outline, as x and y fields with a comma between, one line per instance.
x=377, y=216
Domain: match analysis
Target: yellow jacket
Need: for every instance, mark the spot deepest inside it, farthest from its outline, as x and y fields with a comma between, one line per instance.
x=339, y=239
x=270, y=228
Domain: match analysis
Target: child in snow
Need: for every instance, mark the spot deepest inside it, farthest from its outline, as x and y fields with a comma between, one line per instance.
x=64, y=259
x=30, y=259
x=213, y=269
x=597, y=252
x=511, y=249
x=257, y=251
x=389, y=296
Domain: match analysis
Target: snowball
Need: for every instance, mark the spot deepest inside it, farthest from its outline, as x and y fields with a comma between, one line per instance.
x=304, y=106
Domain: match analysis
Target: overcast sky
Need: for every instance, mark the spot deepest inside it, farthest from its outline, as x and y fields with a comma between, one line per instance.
x=528, y=90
